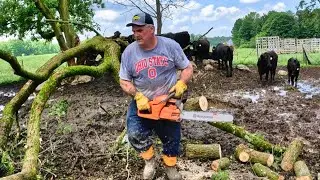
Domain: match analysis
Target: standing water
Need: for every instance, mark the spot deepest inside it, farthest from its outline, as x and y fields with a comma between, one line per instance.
x=308, y=88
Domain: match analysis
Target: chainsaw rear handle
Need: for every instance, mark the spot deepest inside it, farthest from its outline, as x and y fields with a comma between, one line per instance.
x=162, y=107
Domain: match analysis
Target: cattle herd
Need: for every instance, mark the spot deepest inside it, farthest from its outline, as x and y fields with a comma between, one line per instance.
x=200, y=49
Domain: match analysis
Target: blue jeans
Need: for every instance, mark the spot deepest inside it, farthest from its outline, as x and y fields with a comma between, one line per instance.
x=140, y=131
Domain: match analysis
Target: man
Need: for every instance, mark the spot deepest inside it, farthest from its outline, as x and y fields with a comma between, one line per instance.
x=148, y=69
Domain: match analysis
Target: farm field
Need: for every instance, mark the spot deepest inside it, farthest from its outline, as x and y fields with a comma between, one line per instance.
x=77, y=145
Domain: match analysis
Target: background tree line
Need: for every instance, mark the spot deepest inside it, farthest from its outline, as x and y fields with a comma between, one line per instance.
x=28, y=47
x=302, y=24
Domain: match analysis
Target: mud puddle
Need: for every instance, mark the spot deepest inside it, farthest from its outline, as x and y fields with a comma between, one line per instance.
x=308, y=88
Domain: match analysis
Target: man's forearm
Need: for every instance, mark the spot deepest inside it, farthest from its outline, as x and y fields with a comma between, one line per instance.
x=186, y=74
x=128, y=87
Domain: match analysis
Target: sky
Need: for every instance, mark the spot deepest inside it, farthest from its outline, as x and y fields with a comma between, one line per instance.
x=197, y=17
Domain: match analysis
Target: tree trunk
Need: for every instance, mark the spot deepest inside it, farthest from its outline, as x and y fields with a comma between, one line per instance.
x=57, y=31
x=220, y=164
x=212, y=151
x=159, y=16
x=67, y=27
x=263, y=171
x=196, y=104
x=301, y=170
x=256, y=141
x=291, y=154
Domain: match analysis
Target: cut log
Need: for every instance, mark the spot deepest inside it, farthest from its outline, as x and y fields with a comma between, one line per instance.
x=301, y=170
x=291, y=154
x=263, y=171
x=220, y=164
x=261, y=157
x=241, y=153
x=196, y=104
x=211, y=151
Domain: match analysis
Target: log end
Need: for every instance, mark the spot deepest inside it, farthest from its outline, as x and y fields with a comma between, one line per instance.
x=220, y=152
x=304, y=178
x=286, y=166
x=281, y=177
x=215, y=165
x=244, y=157
x=270, y=160
x=203, y=102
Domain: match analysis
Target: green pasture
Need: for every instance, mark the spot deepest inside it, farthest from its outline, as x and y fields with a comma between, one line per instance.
x=30, y=63
x=247, y=56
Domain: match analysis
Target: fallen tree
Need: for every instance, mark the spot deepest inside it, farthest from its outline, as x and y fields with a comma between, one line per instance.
x=111, y=51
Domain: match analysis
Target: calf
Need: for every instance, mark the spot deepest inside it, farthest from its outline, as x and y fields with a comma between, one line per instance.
x=293, y=67
x=201, y=50
x=224, y=55
x=267, y=62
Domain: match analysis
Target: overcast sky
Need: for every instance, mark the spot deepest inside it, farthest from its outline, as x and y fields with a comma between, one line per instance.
x=197, y=17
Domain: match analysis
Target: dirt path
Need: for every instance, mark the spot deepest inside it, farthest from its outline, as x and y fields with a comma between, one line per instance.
x=77, y=145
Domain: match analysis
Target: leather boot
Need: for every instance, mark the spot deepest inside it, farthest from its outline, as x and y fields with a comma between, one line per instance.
x=149, y=169
x=172, y=173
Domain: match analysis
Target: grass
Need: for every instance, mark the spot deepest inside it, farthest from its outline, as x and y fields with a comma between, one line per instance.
x=30, y=63
x=248, y=56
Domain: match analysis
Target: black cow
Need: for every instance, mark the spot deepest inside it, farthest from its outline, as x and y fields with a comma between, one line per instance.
x=293, y=67
x=183, y=39
x=224, y=55
x=201, y=50
x=267, y=62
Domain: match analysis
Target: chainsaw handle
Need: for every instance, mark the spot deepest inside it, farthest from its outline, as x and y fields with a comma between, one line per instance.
x=171, y=95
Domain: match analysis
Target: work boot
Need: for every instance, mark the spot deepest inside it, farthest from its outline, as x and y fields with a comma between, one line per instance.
x=149, y=169
x=172, y=173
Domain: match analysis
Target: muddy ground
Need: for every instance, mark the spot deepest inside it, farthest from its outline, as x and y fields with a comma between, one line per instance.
x=78, y=144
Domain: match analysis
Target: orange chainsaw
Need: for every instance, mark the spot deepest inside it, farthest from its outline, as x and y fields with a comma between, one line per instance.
x=165, y=107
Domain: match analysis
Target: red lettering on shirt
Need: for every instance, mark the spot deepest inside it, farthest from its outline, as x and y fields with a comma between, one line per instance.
x=152, y=61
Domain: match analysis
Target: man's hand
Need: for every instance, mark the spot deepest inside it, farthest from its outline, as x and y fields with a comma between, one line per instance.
x=142, y=101
x=179, y=88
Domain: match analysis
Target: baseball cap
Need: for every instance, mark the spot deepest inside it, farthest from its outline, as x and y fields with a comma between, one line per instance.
x=141, y=19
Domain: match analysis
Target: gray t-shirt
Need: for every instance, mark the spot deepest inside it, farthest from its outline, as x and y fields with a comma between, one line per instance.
x=153, y=72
